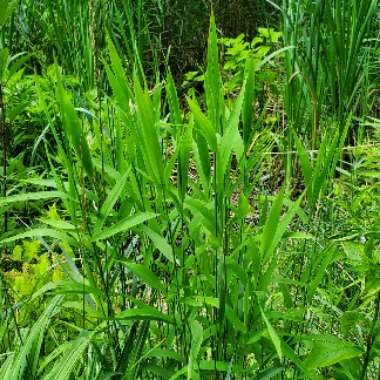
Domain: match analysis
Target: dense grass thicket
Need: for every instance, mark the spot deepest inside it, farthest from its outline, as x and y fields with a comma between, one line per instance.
x=189, y=189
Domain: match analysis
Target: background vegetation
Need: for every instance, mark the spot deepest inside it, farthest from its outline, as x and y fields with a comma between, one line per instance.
x=186, y=196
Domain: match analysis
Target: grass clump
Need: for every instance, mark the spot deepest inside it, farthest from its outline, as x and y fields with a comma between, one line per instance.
x=226, y=228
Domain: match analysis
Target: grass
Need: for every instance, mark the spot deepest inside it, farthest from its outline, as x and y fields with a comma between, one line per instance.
x=154, y=232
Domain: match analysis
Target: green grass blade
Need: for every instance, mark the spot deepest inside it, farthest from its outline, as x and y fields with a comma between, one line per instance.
x=124, y=225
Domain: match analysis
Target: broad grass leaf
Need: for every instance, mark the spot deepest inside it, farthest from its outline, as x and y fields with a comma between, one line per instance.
x=201, y=210
x=160, y=353
x=350, y=320
x=269, y=57
x=272, y=334
x=329, y=351
x=200, y=301
x=144, y=313
x=58, y=224
x=173, y=101
x=213, y=81
x=41, y=232
x=145, y=275
x=158, y=372
x=205, y=127
x=179, y=373
x=356, y=256
x=202, y=159
x=160, y=243
x=134, y=357
x=184, y=147
x=74, y=130
x=307, y=169
x=148, y=134
x=6, y=366
x=249, y=98
x=4, y=59
x=352, y=368
x=16, y=62
x=27, y=358
x=6, y=9
x=124, y=225
x=206, y=366
x=67, y=287
x=36, y=196
x=117, y=77
x=196, y=343
x=271, y=225
x=269, y=373
x=324, y=167
x=64, y=366
x=111, y=200
x=232, y=317
x=232, y=129
x=211, y=365
x=275, y=227
x=123, y=95
x=292, y=356
x=231, y=140
x=318, y=274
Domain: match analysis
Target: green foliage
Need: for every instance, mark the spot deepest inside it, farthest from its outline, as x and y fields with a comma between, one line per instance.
x=238, y=54
x=223, y=230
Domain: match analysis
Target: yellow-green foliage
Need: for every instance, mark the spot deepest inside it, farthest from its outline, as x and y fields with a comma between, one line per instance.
x=31, y=267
